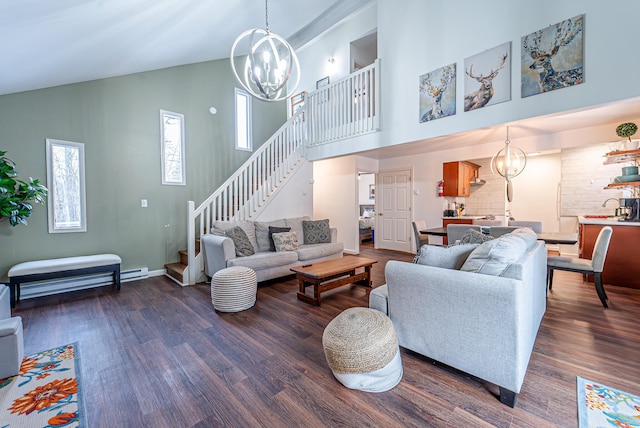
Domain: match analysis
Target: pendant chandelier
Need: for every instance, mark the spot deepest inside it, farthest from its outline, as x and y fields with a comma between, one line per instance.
x=509, y=162
x=269, y=65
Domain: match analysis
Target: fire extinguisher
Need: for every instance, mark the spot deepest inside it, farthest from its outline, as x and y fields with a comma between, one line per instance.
x=441, y=188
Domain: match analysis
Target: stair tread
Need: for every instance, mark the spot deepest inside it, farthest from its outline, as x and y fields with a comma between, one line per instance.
x=176, y=267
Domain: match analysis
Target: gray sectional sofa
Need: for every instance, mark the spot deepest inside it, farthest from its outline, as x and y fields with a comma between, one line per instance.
x=474, y=307
x=220, y=251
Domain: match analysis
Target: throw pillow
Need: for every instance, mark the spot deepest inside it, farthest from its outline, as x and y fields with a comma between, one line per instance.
x=272, y=230
x=241, y=241
x=295, y=223
x=286, y=241
x=452, y=257
x=495, y=256
x=316, y=232
x=262, y=233
x=474, y=237
x=246, y=225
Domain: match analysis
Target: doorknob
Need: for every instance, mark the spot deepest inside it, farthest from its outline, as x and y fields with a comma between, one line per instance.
x=380, y=214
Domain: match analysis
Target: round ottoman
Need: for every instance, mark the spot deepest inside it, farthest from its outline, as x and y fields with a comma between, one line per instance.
x=234, y=289
x=361, y=348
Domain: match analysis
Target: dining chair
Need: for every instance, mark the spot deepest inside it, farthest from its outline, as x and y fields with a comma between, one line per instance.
x=535, y=225
x=420, y=239
x=585, y=266
x=487, y=222
x=455, y=232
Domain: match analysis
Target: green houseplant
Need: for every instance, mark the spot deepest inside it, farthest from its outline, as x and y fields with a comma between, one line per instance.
x=17, y=196
x=626, y=130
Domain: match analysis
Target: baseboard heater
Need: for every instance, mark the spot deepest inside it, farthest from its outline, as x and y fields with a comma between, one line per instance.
x=56, y=286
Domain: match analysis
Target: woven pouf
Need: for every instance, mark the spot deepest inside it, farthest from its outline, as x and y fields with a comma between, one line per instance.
x=234, y=289
x=361, y=348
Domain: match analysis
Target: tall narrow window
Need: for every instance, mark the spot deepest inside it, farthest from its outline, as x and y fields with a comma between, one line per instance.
x=65, y=180
x=172, y=139
x=243, y=121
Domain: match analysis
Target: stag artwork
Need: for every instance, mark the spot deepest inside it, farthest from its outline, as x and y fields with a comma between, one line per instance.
x=499, y=57
x=553, y=56
x=438, y=99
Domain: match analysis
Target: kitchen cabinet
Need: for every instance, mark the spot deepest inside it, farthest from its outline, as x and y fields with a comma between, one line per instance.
x=457, y=177
x=620, y=267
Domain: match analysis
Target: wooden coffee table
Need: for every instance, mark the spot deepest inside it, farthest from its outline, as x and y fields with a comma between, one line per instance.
x=331, y=274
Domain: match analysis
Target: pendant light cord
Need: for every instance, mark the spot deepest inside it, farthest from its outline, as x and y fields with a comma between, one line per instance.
x=266, y=14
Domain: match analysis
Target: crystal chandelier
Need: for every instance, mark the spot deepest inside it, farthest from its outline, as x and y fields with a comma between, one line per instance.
x=270, y=63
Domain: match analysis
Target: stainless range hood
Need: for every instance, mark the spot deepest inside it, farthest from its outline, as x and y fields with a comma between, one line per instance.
x=477, y=182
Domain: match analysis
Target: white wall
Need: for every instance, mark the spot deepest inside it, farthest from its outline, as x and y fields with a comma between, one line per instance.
x=335, y=194
x=418, y=36
x=295, y=199
x=335, y=43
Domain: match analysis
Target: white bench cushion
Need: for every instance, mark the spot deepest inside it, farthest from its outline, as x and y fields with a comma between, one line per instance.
x=65, y=263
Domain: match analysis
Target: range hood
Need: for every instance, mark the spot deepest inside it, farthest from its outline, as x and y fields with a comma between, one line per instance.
x=477, y=182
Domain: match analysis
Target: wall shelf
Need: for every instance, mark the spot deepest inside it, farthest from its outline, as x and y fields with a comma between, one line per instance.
x=622, y=156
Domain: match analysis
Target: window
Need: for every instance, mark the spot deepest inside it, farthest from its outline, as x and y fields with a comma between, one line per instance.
x=172, y=140
x=65, y=180
x=243, y=121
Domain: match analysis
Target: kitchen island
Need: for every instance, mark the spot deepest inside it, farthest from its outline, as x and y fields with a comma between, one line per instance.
x=621, y=266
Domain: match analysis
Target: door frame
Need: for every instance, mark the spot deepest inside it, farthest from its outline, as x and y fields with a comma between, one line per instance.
x=410, y=202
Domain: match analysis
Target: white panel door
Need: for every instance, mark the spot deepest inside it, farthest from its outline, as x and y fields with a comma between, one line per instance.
x=393, y=228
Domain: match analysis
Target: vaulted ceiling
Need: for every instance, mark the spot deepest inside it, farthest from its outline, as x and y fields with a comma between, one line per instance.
x=49, y=43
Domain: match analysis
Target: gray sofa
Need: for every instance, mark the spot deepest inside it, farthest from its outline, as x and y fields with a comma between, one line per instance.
x=220, y=251
x=484, y=324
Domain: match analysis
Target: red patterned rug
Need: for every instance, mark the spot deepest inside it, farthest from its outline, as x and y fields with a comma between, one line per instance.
x=46, y=392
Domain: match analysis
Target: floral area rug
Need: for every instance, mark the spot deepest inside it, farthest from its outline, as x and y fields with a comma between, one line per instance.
x=602, y=406
x=46, y=392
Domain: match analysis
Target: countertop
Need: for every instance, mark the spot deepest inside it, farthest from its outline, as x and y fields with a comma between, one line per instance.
x=611, y=221
x=465, y=217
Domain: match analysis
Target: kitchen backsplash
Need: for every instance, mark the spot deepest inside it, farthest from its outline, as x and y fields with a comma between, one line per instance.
x=584, y=177
x=487, y=198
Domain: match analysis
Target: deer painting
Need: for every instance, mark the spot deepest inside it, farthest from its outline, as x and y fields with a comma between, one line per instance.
x=431, y=94
x=556, y=57
x=483, y=95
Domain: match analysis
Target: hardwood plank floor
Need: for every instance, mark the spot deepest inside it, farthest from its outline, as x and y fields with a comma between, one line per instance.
x=158, y=355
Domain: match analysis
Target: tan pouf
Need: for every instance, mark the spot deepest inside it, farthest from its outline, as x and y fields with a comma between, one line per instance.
x=362, y=351
x=234, y=289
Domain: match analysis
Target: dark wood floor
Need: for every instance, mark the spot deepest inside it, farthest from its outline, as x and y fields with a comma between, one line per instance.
x=158, y=355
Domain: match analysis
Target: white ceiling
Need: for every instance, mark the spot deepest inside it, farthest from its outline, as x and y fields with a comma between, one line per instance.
x=49, y=43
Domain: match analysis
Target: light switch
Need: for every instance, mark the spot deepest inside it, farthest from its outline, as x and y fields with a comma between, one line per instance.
x=143, y=203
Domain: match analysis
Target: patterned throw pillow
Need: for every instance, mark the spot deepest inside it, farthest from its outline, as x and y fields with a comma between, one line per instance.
x=286, y=241
x=316, y=232
x=474, y=237
x=241, y=241
x=272, y=230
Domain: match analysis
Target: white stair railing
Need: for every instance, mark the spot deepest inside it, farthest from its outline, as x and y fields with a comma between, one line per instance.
x=345, y=109
x=245, y=193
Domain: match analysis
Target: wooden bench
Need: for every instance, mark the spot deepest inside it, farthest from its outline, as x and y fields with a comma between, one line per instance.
x=41, y=270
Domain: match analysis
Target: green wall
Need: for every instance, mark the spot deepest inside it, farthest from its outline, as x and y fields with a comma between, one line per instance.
x=118, y=120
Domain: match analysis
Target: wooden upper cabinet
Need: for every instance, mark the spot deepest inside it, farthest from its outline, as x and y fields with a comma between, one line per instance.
x=457, y=177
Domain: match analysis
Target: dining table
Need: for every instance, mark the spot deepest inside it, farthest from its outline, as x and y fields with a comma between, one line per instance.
x=547, y=237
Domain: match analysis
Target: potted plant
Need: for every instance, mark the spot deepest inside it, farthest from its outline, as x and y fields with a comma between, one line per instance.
x=17, y=196
x=626, y=130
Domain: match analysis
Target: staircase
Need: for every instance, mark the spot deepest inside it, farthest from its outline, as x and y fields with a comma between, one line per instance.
x=348, y=108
